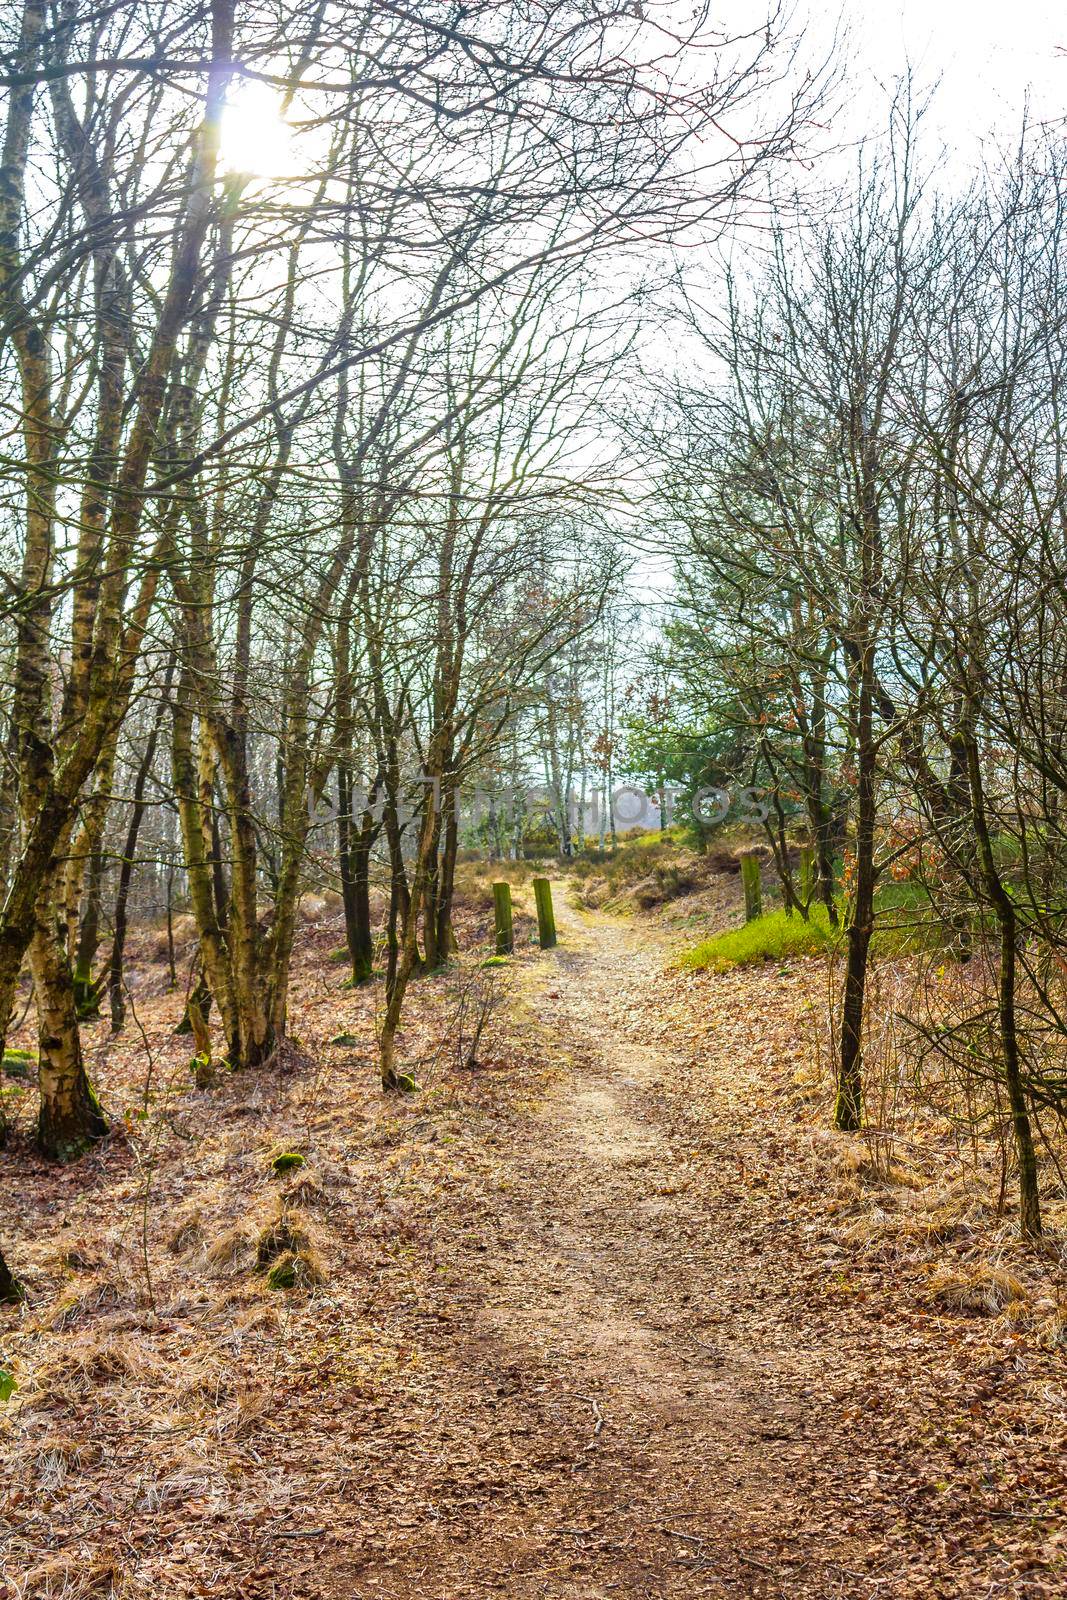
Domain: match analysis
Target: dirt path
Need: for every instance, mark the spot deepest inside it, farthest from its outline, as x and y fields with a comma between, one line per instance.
x=664, y=1373
x=637, y=1401
x=689, y=1482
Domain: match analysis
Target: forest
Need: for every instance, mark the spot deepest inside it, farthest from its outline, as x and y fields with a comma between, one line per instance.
x=533, y=807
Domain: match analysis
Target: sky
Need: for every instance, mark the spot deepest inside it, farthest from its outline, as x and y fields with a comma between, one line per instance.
x=988, y=55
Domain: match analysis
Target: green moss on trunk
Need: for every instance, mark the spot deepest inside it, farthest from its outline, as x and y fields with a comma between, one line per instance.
x=71, y=1120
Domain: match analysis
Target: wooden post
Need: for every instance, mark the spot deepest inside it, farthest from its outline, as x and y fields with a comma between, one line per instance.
x=505, y=938
x=807, y=874
x=750, y=864
x=546, y=920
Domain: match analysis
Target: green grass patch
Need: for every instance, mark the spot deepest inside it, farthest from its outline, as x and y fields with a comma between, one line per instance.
x=774, y=937
x=904, y=924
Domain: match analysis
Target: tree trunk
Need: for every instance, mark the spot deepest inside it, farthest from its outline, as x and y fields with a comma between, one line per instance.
x=1029, y=1198
x=197, y=1006
x=11, y=1291
x=118, y=943
x=9, y=818
x=1004, y=911
x=172, y=969
x=824, y=863
x=407, y=954
x=399, y=898
x=392, y=937
x=446, y=938
x=353, y=854
x=848, y=1107
x=50, y=792
x=357, y=918
x=196, y=832
x=434, y=956
x=70, y=1118
x=86, y=990
x=820, y=816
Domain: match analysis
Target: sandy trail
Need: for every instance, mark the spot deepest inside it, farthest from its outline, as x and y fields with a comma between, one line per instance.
x=645, y=1437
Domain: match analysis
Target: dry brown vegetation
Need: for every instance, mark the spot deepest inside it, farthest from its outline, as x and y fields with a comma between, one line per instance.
x=539, y=1319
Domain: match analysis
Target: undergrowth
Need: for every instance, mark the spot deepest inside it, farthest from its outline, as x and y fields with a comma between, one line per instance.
x=901, y=928
x=773, y=937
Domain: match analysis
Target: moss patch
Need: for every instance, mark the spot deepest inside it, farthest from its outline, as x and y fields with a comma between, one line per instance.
x=296, y=1269
x=286, y=1161
x=19, y=1063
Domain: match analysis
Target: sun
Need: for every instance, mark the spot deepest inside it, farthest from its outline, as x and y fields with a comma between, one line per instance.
x=255, y=138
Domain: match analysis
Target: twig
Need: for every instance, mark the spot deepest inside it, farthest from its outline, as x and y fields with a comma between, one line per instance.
x=598, y=1415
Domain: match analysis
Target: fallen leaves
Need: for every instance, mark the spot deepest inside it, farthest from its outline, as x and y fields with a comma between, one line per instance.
x=616, y=1312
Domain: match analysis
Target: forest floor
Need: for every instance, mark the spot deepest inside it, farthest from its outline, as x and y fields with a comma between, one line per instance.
x=605, y=1316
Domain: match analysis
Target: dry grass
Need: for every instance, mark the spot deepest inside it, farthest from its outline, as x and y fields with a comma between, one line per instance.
x=983, y=1289
x=89, y=1361
x=79, y=1255
x=59, y=1455
x=101, y=1294
x=287, y=1233
x=69, y=1578
x=926, y=1225
x=187, y=1232
x=232, y=1250
x=475, y=879
x=1052, y=1329
x=864, y=1164
x=306, y=1191
x=295, y=1269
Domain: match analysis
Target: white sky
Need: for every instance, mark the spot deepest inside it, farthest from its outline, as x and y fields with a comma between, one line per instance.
x=988, y=55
